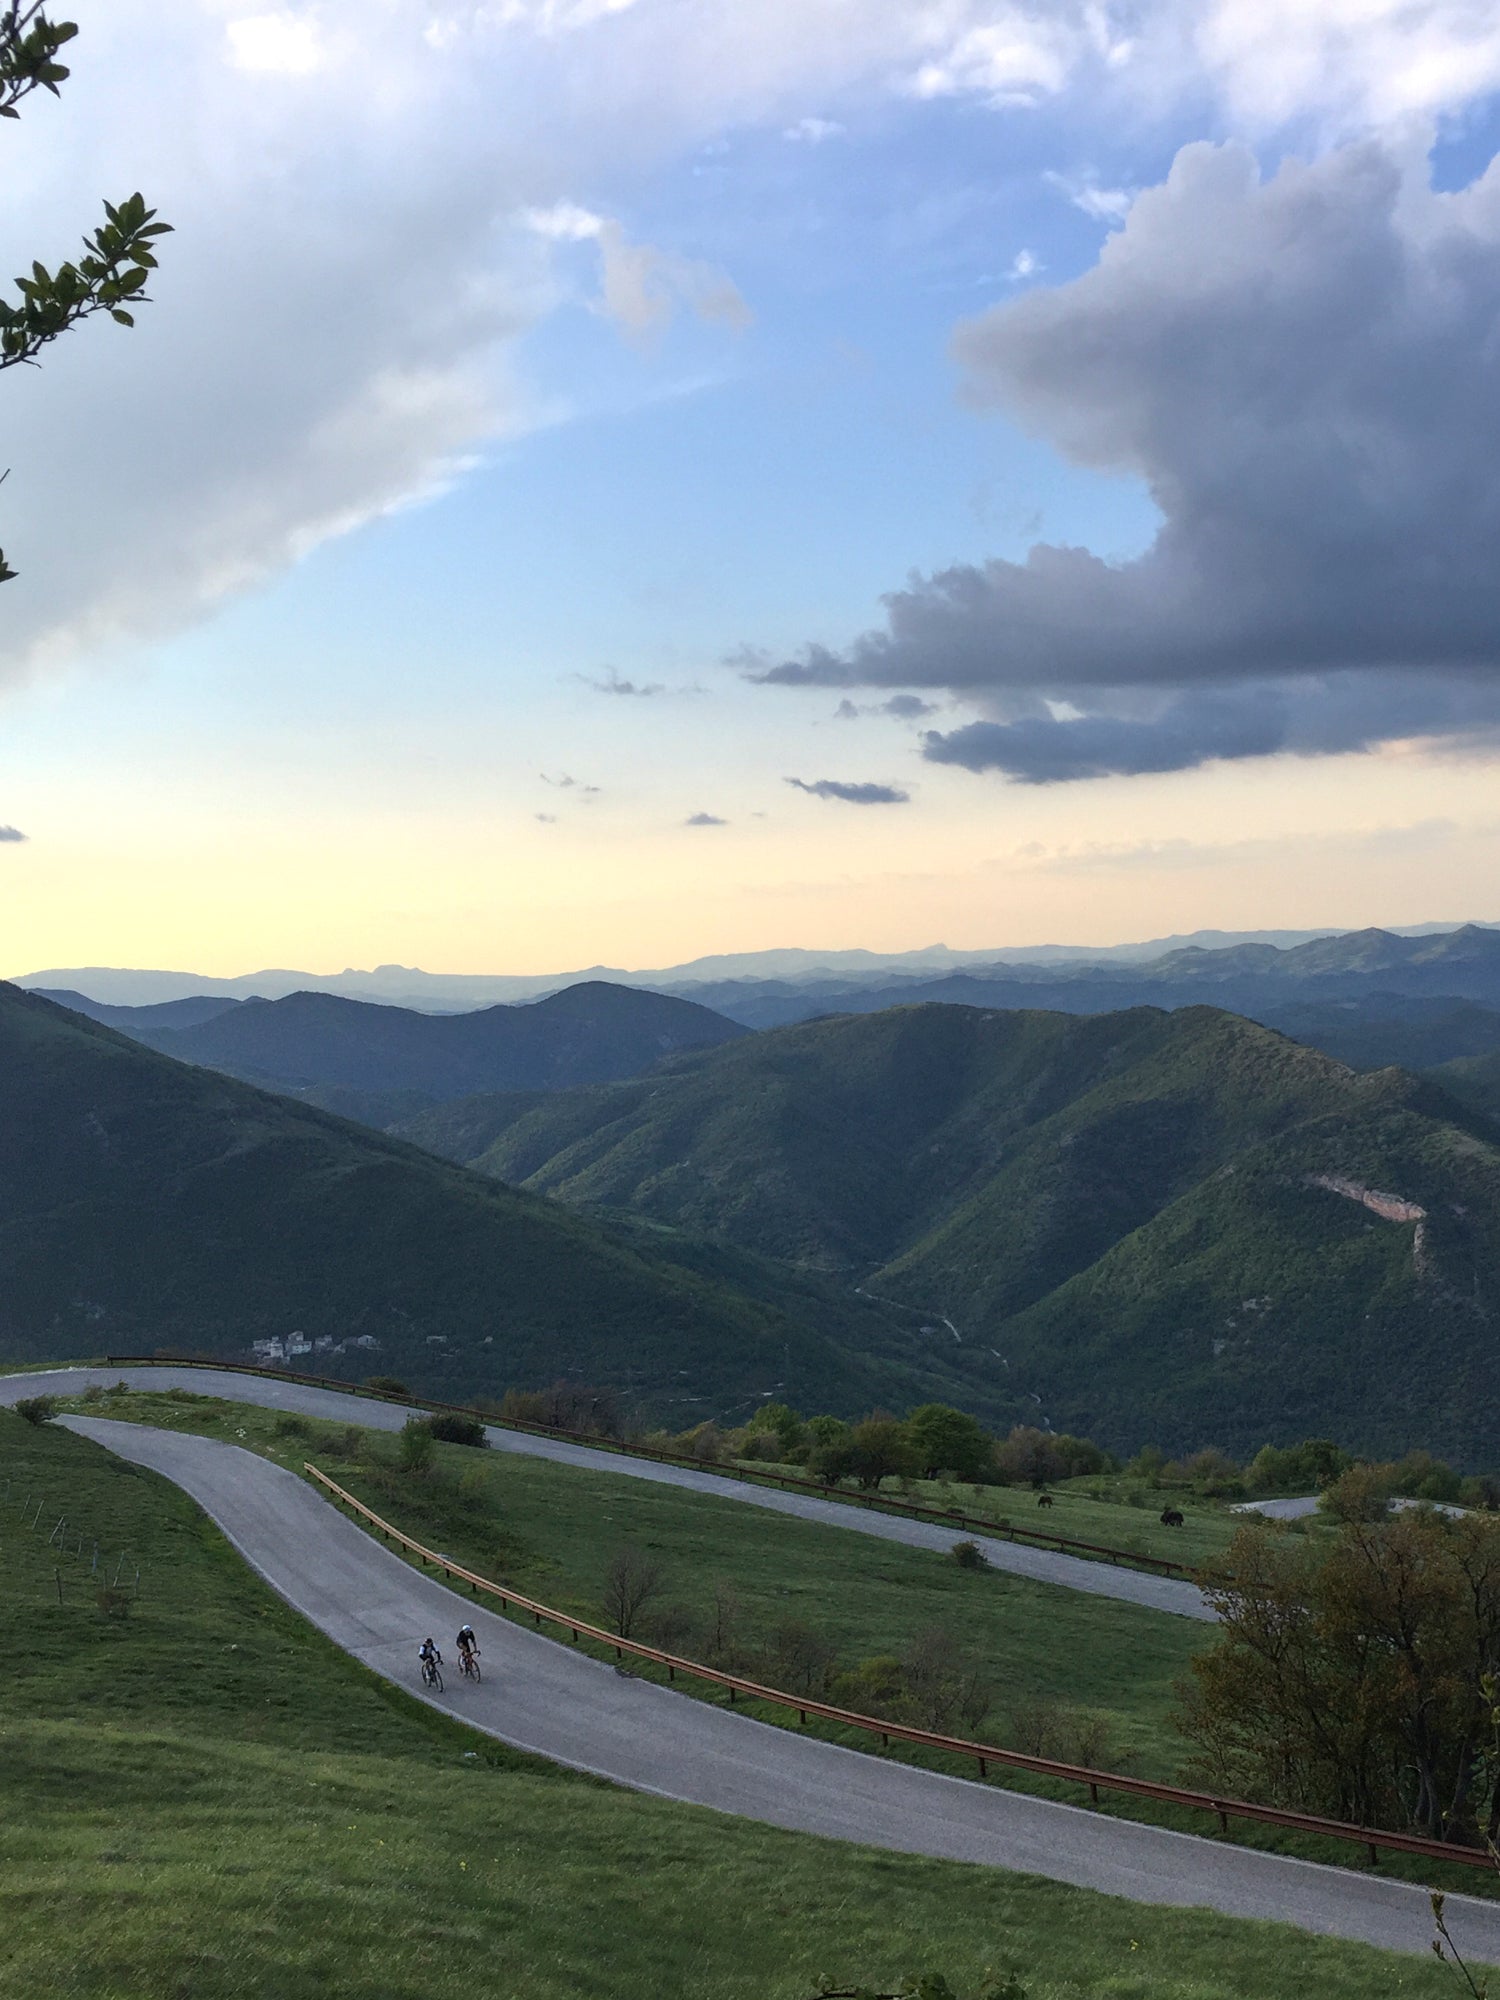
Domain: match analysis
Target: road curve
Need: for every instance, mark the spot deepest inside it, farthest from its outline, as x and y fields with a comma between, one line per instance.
x=542, y=1696
x=1100, y=1579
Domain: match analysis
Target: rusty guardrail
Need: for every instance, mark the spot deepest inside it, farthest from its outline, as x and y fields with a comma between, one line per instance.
x=983, y=1754
x=747, y=1475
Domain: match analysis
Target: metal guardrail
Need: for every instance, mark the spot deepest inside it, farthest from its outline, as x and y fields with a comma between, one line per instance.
x=747, y=1475
x=983, y=1754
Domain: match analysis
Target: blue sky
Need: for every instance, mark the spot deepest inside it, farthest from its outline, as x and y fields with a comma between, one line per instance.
x=515, y=353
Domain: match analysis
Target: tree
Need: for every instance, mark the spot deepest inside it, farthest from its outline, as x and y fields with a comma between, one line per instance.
x=118, y=257
x=1357, y=1680
x=631, y=1581
x=949, y=1440
x=880, y=1448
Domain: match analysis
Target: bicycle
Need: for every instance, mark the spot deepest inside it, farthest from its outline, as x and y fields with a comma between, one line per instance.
x=468, y=1666
x=432, y=1676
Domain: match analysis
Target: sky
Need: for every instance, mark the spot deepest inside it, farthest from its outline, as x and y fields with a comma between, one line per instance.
x=610, y=481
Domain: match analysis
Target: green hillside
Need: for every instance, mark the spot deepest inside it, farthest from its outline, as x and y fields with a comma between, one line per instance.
x=1119, y=1212
x=147, y=1204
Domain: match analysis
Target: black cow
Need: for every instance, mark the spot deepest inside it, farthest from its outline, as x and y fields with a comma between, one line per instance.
x=1171, y=1517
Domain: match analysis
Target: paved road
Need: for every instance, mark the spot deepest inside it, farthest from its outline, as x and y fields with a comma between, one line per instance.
x=1280, y=1510
x=1156, y=1593
x=542, y=1696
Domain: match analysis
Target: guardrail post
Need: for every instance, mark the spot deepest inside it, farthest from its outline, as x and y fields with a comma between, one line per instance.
x=1374, y=1855
x=983, y=1768
x=1223, y=1820
x=1094, y=1793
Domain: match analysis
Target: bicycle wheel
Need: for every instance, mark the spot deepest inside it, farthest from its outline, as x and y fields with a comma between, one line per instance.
x=437, y=1679
x=474, y=1673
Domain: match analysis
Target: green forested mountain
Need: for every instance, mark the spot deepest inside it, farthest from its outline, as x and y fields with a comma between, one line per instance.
x=1181, y=1225
x=144, y=1203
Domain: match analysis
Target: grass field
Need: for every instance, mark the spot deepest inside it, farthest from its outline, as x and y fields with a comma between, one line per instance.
x=205, y=1801
x=1112, y=1512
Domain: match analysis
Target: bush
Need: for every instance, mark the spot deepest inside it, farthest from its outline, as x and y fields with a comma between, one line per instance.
x=37, y=1409
x=631, y=1581
x=1363, y=1493
x=418, y=1446
x=292, y=1427
x=387, y=1385
x=113, y=1603
x=800, y=1659
x=969, y=1555
x=450, y=1427
x=94, y=1393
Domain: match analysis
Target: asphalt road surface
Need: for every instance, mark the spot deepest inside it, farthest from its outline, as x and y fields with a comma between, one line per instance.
x=1102, y=1579
x=542, y=1696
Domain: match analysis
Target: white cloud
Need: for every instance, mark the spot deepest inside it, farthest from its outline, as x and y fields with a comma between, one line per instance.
x=283, y=44
x=813, y=131
x=1024, y=265
x=1100, y=204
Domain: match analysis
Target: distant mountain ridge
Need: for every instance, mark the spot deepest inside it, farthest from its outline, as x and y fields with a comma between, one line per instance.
x=321, y=1043
x=408, y=986
x=1143, y=1218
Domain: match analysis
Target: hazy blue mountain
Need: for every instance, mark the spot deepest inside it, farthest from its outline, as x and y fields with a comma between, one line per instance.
x=317, y=1042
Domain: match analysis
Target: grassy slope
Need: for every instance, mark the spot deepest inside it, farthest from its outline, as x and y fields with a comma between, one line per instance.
x=144, y=1203
x=1115, y=1204
x=209, y=1802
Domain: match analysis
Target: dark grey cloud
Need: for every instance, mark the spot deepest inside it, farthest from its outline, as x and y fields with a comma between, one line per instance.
x=705, y=819
x=1304, y=372
x=11, y=833
x=613, y=684
x=852, y=795
x=904, y=707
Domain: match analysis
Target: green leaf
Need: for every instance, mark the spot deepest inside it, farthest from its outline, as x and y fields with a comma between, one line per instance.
x=119, y=313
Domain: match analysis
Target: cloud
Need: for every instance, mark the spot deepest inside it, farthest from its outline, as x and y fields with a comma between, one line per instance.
x=612, y=684
x=1024, y=265
x=11, y=833
x=904, y=707
x=813, y=131
x=332, y=341
x=1100, y=204
x=640, y=286
x=564, y=783
x=546, y=819
x=1303, y=371
x=852, y=795
x=704, y=819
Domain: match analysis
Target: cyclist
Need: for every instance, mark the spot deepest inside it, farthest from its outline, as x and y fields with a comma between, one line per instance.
x=429, y=1655
x=468, y=1648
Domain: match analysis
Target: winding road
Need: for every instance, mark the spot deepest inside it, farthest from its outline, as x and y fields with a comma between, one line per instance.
x=542, y=1696
x=1156, y=1593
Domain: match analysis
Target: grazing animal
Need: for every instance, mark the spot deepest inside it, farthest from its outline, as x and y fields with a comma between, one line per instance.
x=1171, y=1517
x=1044, y=1499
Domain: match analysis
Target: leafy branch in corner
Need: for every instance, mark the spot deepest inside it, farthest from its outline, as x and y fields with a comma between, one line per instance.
x=118, y=258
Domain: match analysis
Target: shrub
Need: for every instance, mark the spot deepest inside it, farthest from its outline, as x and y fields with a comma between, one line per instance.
x=969, y=1555
x=800, y=1659
x=94, y=1393
x=944, y=1684
x=290, y=1426
x=418, y=1446
x=450, y=1427
x=875, y=1687
x=113, y=1603
x=1363, y=1493
x=37, y=1409
x=387, y=1385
